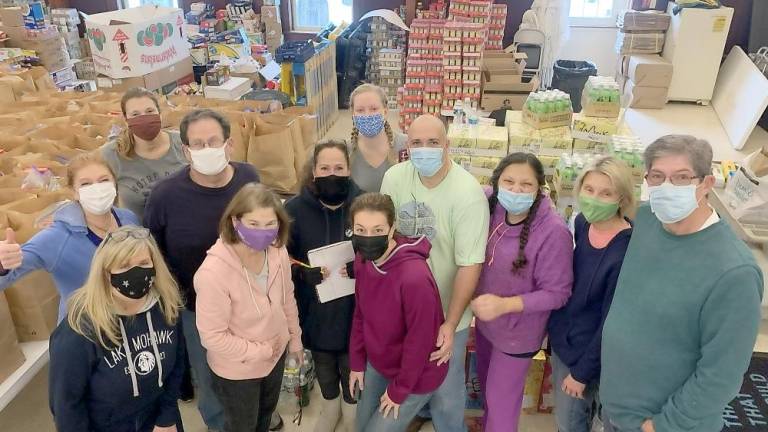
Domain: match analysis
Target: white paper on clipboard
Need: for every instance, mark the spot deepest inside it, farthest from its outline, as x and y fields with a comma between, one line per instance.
x=333, y=257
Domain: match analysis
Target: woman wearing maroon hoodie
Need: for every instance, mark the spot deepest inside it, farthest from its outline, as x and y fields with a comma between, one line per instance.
x=528, y=273
x=397, y=317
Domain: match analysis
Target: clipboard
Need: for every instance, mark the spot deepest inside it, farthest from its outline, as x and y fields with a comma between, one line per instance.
x=333, y=257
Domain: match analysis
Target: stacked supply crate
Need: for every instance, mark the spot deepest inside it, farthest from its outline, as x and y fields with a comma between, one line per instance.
x=496, y=27
x=452, y=60
x=413, y=90
x=386, y=57
x=472, y=41
x=67, y=20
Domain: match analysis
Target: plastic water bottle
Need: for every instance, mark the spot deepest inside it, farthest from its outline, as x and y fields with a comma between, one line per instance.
x=292, y=377
x=458, y=113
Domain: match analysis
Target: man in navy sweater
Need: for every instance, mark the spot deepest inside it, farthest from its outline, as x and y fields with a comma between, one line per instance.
x=183, y=213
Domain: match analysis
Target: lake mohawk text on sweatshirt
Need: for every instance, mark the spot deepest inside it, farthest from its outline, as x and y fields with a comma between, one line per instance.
x=132, y=387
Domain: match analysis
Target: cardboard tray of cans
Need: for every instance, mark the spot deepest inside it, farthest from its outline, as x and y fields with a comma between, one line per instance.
x=547, y=120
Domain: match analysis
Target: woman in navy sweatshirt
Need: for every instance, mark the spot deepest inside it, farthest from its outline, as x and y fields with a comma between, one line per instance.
x=602, y=233
x=321, y=218
x=118, y=359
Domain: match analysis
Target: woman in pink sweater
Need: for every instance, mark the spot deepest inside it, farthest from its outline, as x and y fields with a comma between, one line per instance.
x=397, y=316
x=246, y=311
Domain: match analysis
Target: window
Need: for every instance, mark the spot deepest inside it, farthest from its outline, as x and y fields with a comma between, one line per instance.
x=595, y=13
x=313, y=15
x=163, y=3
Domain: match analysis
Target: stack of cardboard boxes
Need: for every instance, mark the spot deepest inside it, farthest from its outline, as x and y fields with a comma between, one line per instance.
x=503, y=84
x=140, y=47
x=27, y=29
x=645, y=80
x=273, y=28
x=643, y=75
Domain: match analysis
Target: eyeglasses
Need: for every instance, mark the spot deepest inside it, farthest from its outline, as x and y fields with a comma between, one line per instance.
x=211, y=143
x=682, y=179
x=120, y=235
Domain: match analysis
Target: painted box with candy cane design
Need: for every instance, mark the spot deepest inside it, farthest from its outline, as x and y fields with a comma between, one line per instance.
x=134, y=42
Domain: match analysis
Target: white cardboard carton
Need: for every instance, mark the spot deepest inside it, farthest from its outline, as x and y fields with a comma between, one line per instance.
x=134, y=42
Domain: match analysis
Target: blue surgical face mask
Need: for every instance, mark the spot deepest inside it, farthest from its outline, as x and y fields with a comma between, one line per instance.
x=515, y=203
x=427, y=160
x=369, y=125
x=672, y=203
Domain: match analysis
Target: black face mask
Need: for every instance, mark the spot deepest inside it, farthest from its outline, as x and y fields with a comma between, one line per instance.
x=135, y=282
x=332, y=190
x=371, y=248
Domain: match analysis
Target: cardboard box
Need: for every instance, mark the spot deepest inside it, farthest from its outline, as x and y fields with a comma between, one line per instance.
x=85, y=70
x=233, y=89
x=152, y=81
x=545, y=121
x=644, y=97
x=512, y=63
x=21, y=37
x=594, y=128
x=600, y=109
x=522, y=137
x=12, y=357
x=492, y=138
x=650, y=71
x=12, y=17
x=135, y=42
x=270, y=14
x=232, y=51
x=63, y=76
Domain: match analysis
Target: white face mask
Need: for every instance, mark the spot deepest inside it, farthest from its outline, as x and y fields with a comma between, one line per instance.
x=97, y=198
x=209, y=161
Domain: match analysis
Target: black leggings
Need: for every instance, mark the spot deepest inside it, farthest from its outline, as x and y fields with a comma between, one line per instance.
x=332, y=369
x=248, y=404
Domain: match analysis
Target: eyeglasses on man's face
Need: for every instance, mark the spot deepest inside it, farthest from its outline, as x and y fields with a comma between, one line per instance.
x=657, y=178
x=215, y=142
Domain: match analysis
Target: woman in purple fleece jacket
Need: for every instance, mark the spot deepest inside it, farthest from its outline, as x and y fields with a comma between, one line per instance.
x=397, y=317
x=527, y=274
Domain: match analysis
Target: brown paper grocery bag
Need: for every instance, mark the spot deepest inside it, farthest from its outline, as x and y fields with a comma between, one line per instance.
x=11, y=195
x=240, y=127
x=271, y=151
x=172, y=118
x=281, y=120
x=34, y=305
x=12, y=357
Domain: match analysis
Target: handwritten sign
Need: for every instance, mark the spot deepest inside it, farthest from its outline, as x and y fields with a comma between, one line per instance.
x=748, y=412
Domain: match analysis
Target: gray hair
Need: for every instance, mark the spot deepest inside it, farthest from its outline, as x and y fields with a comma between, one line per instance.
x=699, y=152
x=202, y=114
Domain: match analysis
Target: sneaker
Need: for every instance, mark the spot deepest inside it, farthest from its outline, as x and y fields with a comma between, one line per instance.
x=277, y=422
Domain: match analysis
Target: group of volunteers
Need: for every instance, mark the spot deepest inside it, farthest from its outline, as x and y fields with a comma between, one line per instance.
x=650, y=312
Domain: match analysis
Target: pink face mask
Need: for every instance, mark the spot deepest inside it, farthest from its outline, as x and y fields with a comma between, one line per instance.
x=256, y=238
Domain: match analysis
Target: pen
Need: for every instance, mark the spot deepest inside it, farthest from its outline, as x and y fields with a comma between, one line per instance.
x=297, y=262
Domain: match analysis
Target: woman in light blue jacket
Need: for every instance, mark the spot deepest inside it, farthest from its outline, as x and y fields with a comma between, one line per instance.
x=65, y=248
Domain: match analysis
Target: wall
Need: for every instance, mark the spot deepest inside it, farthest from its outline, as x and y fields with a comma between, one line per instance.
x=593, y=44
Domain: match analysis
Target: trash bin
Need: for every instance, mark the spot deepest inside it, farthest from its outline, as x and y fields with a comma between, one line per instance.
x=571, y=76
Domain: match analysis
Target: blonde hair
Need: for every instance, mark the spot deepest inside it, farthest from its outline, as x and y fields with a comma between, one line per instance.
x=125, y=141
x=92, y=308
x=85, y=160
x=621, y=178
x=251, y=197
x=372, y=88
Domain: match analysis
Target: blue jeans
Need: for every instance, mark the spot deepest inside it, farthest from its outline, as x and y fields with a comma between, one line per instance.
x=446, y=407
x=207, y=402
x=571, y=414
x=368, y=418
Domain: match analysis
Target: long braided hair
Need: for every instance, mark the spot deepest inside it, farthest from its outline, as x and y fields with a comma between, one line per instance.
x=532, y=161
x=366, y=88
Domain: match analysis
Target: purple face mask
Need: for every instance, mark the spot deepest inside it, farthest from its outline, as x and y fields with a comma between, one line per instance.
x=256, y=238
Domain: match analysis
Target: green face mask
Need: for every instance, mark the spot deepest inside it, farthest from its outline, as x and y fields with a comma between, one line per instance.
x=595, y=210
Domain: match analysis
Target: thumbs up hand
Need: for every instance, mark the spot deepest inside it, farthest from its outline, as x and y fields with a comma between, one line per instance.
x=10, y=251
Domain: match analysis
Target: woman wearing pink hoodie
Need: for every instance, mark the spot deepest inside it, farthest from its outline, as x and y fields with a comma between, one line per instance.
x=397, y=316
x=246, y=311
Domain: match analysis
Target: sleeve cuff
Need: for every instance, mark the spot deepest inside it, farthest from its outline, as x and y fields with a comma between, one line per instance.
x=168, y=417
x=397, y=396
x=357, y=364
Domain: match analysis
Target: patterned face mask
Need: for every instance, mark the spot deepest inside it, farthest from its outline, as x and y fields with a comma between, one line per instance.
x=369, y=125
